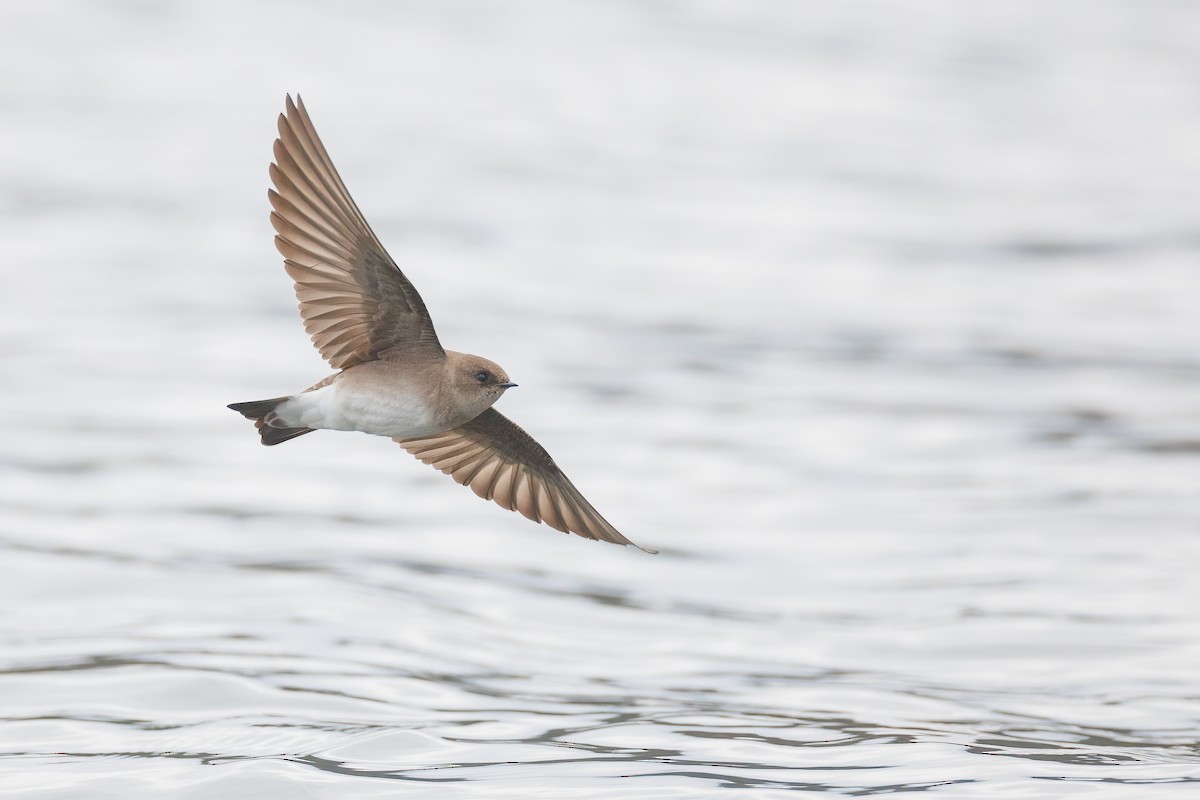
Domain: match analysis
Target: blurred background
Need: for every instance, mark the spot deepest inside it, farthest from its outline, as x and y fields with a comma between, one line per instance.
x=878, y=319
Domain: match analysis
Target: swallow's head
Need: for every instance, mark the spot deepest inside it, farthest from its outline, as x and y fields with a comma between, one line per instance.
x=475, y=382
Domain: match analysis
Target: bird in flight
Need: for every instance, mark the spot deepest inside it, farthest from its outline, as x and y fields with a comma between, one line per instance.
x=394, y=378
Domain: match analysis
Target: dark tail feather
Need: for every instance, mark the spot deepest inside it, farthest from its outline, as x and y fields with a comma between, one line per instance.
x=257, y=409
x=261, y=412
x=272, y=436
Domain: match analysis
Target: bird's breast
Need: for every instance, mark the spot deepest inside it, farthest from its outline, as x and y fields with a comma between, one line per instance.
x=382, y=408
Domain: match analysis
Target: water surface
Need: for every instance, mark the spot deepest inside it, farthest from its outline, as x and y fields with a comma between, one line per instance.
x=878, y=321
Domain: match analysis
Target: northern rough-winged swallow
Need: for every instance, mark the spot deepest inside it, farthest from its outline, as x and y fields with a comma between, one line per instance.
x=394, y=379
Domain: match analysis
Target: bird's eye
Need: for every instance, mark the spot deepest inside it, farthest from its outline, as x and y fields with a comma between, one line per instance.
x=482, y=376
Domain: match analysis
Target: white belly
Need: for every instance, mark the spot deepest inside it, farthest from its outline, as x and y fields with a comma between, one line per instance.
x=339, y=408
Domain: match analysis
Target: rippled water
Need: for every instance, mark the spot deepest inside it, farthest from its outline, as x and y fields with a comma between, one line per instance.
x=878, y=320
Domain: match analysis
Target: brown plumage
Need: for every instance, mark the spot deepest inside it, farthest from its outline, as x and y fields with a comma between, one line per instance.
x=356, y=303
x=395, y=379
x=501, y=462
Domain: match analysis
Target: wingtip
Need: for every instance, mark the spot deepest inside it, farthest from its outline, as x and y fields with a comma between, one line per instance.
x=295, y=107
x=292, y=109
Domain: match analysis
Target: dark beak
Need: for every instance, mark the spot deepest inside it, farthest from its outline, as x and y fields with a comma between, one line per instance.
x=507, y=385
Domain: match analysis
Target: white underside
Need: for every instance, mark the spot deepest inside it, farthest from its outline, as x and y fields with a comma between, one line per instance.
x=335, y=408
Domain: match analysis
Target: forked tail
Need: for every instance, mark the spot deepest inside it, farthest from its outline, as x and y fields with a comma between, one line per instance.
x=263, y=414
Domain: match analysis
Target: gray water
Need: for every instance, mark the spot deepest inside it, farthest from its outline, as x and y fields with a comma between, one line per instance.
x=879, y=320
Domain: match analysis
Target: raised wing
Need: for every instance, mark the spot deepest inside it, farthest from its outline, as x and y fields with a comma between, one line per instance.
x=356, y=303
x=501, y=462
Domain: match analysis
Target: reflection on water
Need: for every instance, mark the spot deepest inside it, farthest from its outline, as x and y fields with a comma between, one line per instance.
x=880, y=325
